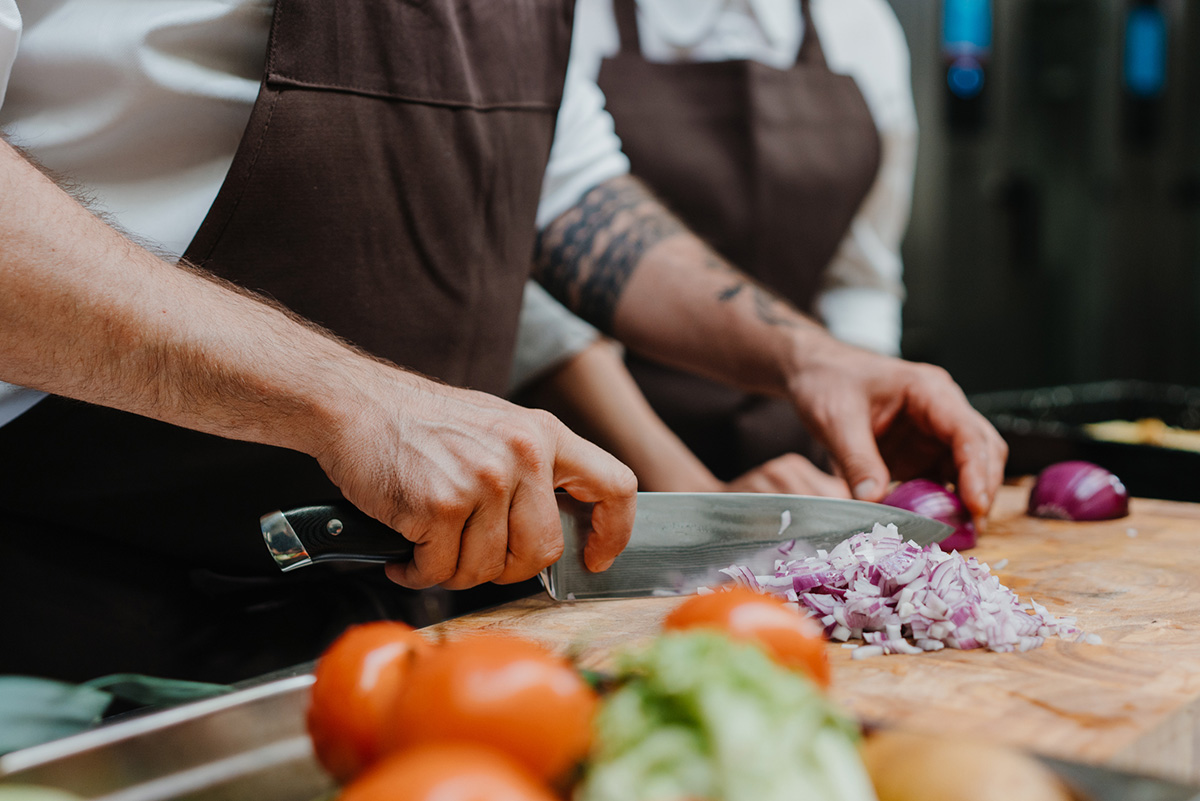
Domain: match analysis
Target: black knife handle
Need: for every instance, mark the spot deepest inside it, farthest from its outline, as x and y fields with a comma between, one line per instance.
x=340, y=532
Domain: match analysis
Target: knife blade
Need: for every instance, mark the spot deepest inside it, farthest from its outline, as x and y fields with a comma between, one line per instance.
x=680, y=540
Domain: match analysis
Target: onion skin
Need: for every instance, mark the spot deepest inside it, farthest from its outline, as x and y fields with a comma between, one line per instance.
x=930, y=499
x=907, y=766
x=1078, y=491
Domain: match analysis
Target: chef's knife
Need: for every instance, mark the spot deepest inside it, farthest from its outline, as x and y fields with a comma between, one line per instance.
x=332, y=532
x=680, y=540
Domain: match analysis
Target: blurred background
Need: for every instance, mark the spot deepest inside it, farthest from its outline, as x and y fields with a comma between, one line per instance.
x=1056, y=223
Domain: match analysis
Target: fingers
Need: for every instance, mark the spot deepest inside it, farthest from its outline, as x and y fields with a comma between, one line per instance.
x=979, y=451
x=791, y=474
x=483, y=547
x=435, y=557
x=535, y=538
x=500, y=522
x=591, y=475
x=845, y=424
x=980, y=457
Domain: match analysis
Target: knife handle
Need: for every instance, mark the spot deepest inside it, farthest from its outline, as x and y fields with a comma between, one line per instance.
x=328, y=533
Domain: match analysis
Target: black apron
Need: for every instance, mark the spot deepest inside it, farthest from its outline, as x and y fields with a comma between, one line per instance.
x=770, y=167
x=386, y=188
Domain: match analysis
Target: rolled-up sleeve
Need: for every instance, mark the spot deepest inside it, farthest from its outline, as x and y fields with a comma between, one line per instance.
x=586, y=151
x=863, y=288
x=10, y=35
x=549, y=335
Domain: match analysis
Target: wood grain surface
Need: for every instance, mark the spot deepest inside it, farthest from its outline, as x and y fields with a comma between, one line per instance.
x=1132, y=702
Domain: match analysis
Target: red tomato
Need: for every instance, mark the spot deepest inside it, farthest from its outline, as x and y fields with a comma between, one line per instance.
x=357, y=680
x=447, y=772
x=790, y=638
x=499, y=691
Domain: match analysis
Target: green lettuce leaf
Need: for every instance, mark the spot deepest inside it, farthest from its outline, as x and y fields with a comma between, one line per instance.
x=699, y=716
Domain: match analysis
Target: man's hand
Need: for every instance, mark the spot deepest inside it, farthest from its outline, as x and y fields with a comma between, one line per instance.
x=87, y=314
x=790, y=474
x=883, y=418
x=621, y=261
x=470, y=479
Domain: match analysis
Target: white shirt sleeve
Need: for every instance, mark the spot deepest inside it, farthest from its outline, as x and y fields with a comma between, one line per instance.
x=586, y=151
x=549, y=335
x=10, y=35
x=863, y=290
x=14, y=400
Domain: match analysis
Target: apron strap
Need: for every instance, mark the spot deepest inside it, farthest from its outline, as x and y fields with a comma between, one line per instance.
x=625, y=12
x=810, y=49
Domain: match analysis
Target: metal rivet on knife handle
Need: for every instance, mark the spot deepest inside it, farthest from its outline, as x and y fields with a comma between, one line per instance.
x=334, y=526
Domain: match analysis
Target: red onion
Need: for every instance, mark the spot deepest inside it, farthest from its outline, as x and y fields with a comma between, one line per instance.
x=930, y=499
x=1078, y=491
x=898, y=598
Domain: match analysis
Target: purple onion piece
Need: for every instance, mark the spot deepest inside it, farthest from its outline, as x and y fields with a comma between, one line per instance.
x=1078, y=491
x=930, y=499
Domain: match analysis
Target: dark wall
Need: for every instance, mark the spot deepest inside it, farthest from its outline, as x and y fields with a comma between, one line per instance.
x=1056, y=224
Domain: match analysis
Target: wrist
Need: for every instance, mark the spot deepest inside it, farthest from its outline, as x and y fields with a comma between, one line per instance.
x=803, y=348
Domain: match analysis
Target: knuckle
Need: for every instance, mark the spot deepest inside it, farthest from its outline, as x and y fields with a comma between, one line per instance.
x=626, y=482
x=448, y=506
x=551, y=552
x=493, y=480
x=792, y=461
x=527, y=448
x=544, y=419
x=931, y=372
x=440, y=574
x=486, y=572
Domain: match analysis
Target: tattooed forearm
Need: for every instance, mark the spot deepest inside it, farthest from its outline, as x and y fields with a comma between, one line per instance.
x=716, y=264
x=586, y=256
x=768, y=307
x=773, y=310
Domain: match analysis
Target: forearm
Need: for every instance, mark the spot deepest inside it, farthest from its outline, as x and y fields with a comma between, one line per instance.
x=594, y=394
x=87, y=314
x=621, y=261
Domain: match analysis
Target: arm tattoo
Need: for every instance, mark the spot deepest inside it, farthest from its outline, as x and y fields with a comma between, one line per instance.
x=768, y=307
x=586, y=256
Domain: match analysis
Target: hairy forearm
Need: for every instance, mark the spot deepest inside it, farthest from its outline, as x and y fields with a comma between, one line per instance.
x=86, y=313
x=623, y=262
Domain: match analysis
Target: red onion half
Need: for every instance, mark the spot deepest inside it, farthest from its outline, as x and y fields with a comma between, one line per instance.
x=930, y=499
x=1078, y=491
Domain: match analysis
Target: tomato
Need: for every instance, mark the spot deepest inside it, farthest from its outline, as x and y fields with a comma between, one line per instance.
x=499, y=691
x=357, y=680
x=789, y=637
x=447, y=772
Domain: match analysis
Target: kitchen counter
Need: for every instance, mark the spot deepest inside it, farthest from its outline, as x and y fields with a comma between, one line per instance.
x=1132, y=702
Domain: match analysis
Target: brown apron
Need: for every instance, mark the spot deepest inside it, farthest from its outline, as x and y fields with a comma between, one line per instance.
x=386, y=187
x=770, y=167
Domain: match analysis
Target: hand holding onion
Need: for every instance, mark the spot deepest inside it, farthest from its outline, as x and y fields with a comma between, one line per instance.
x=930, y=499
x=883, y=418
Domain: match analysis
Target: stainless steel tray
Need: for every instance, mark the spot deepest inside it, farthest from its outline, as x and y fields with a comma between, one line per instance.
x=251, y=744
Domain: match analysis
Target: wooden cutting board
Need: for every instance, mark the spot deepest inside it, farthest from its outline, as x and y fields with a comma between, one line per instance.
x=1132, y=702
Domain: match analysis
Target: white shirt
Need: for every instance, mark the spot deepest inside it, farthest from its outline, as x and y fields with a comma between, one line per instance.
x=863, y=292
x=143, y=102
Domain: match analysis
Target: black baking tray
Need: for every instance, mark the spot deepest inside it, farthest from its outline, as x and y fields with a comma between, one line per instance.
x=1044, y=426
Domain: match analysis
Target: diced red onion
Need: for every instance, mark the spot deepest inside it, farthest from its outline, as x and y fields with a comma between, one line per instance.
x=1078, y=491
x=930, y=499
x=896, y=597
